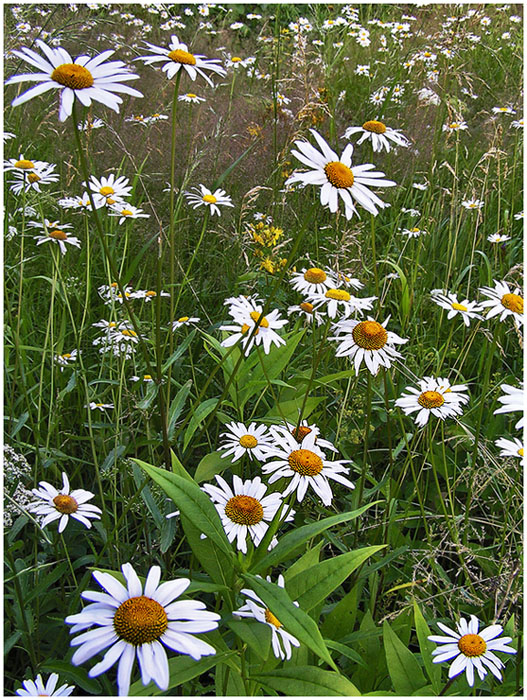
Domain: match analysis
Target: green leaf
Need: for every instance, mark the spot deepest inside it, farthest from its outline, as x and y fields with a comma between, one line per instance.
x=210, y=465
x=201, y=412
x=307, y=681
x=73, y=674
x=290, y=410
x=179, y=350
x=306, y=561
x=313, y=586
x=295, y=620
x=151, y=393
x=346, y=651
x=254, y=634
x=433, y=671
x=404, y=669
x=289, y=542
x=176, y=407
x=341, y=619
x=181, y=669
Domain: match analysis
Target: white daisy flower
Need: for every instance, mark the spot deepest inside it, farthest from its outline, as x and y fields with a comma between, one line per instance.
x=26, y=181
x=413, y=232
x=37, y=688
x=191, y=98
x=368, y=342
x=435, y=396
x=263, y=614
x=66, y=359
x=340, y=302
x=22, y=164
x=472, y=650
x=518, y=216
x=302, y=431
x=109, y=190
x=137, y=621
x=304, y=466
x=498, y=238
x=245, y=508
x=246, y=318
x=466, y=309
x=84, y=78
x=147, y=378
x=204, y=197
x=93, y=406
x=517, y=124
x=511, y=448
x=379, y=134
x=60, y=505
x=82, y=202
x=251, y=440
x=307, y=311
x=148, y=294
x=60, y=237
x=184, y=321
x=422, y=186
x=235, y=62
x=91, y=124
x=337, y=177
x=126, y=212
x=513, y=400
x=177, y=57
x=346, y=281
x=503, y=301
x=472, y=203
x=455, y=126
x=313, y=280
x=503, y=110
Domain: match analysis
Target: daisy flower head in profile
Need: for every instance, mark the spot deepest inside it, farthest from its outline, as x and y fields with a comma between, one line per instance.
x=245, y=509
x=503, y=301
x=300, y=432
x=108, y=190
x=337, y=178
x=472, y=649
x=513, y=399
x=313, y=280
x=368, y=342
x=436, y=397
x=307, y=311
x=248, y=317
x=455, y=126
x=126, y=212
x=414, y=232
x=511, y=448
x=37, y=688
x=83, y=203
x=339, y=302
x=132, y=621
x=93, y=406
x=503, y=110
x=379, y=134
x=58, y=236
x=205, y=197
x=344, y=280
x=472, y=203
x=184, y=321
x=240, y=439
x=177, y=57
x=466, y=309
x=84, y=78
x=255, y=608
x=191, y=98
x=60, y=505
x=22, y=164
x=26, y=181
x=67, y=358
x=305, y=466
x=498, y=238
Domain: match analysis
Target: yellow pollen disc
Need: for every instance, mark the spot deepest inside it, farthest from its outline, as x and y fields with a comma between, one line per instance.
x=370, y=335
x=255, y=315
x=65, y=504
x=315, y=275
x=339, y=174
x=147, y=377
x=73, y=76
x=113, y=284
x=300, y=432
x=248, y=441
x=307, y=307
x=472, y=645
x=427, y=54
x=520, y=451
x=375, y=126
x=110, y=201
x=98, y=405
x=190, y=95
x=129, y=334
x=430, y=399
x=246, y=327
x=454, y=125
x=235, y=59
x=183, y=319
x=66, y=355
x=244, y=510
x=180, y=56
x=513, y=302
x=24, y=164
x=271, y=619
x=106, y=190
x=58, y=235
x=415, y=230
x=151, y=294
x=458, y=307
x=140, y=620
x=33, y=177
x=112, y=324
x=126, y=212
x=305, y=462
x=209, y=198
x=338, y=294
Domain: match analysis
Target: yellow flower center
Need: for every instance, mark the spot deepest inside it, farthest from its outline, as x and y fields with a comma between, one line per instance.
x=246, y=327
x=73, y=76
x=513, y=302
x=209, y=198
x=33, y=177
x=248, y=441
x=472, y=645
x=126, y=212
x=244, y=510
x=191, y=95
x=305, y=462
x=180, y=56
x=458, y=307
x=307, y=307
x=427, y=54
x=147, y=377
x=151, y=293
x=140, y=620
x=105, y=191
x=66, y=355
x=110, y=201
x=375, y=126
x=235, y=59
x=58, y=235
x=430, y=399
x=24, y=164
x=183, y=319
x=255, y=315
x=65, y=504
x=370, y=335
x=300, y=433
x=129, y=334
x=338, y=294
x=454, y=125
x=98, y=405
x=271, y=619
x=415, y=230
x=315, y=275
x=520, y=451
x=339, y=174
